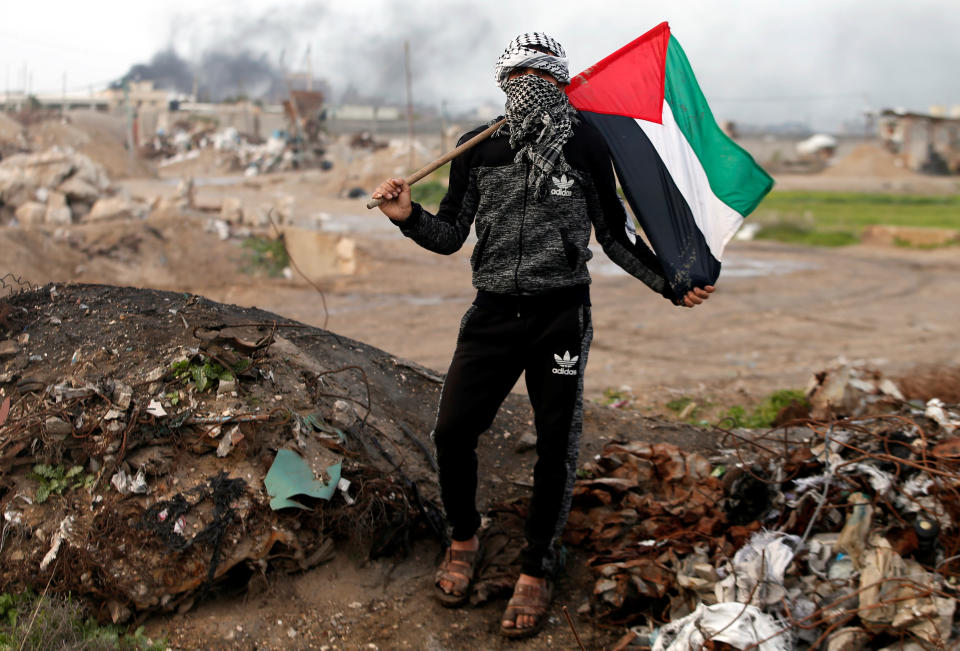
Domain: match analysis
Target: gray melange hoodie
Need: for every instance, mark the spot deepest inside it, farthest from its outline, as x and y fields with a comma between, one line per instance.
x=526, y=246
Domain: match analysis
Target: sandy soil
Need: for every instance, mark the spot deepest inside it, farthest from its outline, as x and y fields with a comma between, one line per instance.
x=780, y=312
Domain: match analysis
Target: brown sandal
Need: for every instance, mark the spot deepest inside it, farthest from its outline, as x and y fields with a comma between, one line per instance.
x=530, y=600
x=459, y=567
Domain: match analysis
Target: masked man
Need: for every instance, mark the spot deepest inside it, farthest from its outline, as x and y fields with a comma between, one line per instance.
x=533, y=190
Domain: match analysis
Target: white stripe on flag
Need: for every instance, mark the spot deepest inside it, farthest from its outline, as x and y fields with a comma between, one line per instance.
x=717, y=221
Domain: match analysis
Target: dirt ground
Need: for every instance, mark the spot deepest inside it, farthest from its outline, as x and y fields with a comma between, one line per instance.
x=780, y=314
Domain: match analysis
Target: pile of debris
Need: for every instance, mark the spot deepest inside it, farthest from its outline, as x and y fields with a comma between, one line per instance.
x=13, y=139
x=182, y=444
x=59, y=187
x=236, y=151
x=842, y=535
x=366, y=140
x=854, y=388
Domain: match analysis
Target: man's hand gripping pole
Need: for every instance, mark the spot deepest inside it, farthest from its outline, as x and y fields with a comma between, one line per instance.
x=449, y=156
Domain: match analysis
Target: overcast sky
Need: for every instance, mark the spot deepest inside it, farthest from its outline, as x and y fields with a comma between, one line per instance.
x=758, y=61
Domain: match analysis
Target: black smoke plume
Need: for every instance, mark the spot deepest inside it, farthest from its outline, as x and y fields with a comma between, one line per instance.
x=247, y=54
x=166, y=70
x=219, y=75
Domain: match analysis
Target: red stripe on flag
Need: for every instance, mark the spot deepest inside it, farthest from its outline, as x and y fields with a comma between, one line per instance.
x=628, y=82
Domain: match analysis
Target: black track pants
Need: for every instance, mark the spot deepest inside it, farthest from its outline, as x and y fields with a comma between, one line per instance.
x=494, y=347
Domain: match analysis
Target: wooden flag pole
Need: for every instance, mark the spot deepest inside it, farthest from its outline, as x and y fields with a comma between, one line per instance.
x=449, y=156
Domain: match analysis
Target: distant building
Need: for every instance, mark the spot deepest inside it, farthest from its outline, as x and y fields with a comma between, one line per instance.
x=141, y=94
x=54, y=101
x=927, y=143
x=364, y=112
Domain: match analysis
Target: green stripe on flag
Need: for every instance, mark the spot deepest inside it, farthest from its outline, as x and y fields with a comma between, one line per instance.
x=735, y=178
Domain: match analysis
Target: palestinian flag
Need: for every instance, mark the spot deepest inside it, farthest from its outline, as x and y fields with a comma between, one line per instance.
x=689, y=185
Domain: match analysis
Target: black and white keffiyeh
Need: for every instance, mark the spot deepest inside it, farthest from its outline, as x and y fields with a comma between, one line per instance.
x=520, y=54
x=539, y=117
x=541, y=121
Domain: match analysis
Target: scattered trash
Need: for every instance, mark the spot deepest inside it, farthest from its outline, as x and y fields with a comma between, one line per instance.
x=220, y=227
x=366, y=140
x=935, y=411
x=344, y=487
x=234, y=151
x=741, y=626
x=127, y=485
x=64, y=392
x=758, y=570
x=852, y=524
x=290, y=475
x=156, y=409
x=62, y=533
x=847, y=389
x=230, y=439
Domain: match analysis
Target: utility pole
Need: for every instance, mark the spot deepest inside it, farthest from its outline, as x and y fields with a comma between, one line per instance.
x=443, y=125
x=130, y=130
x=309, y=71
x=406, y=58
x=63, y=101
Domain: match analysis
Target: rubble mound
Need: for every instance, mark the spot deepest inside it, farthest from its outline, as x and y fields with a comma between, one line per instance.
x=154, y=443
x=12, y=138
x=58, y=187
x=869, y=160
x=101, y=136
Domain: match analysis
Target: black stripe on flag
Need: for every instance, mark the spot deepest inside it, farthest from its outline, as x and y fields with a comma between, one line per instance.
x=663, y=213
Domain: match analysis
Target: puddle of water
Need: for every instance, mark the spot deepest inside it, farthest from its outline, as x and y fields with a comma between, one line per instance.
x=210, y=180
x=374, y=224
x=365, y=224
x=219, y=181
x=733, y=267
x=738, y=267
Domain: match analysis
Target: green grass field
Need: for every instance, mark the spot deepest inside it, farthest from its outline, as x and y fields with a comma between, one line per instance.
x=801, y=217
x=430, y=191
x=838, y=218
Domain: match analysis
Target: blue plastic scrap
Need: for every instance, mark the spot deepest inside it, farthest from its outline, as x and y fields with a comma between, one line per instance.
x=291, y=475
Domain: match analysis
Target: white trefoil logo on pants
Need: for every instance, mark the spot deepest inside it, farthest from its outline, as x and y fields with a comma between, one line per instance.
x=565, y=364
